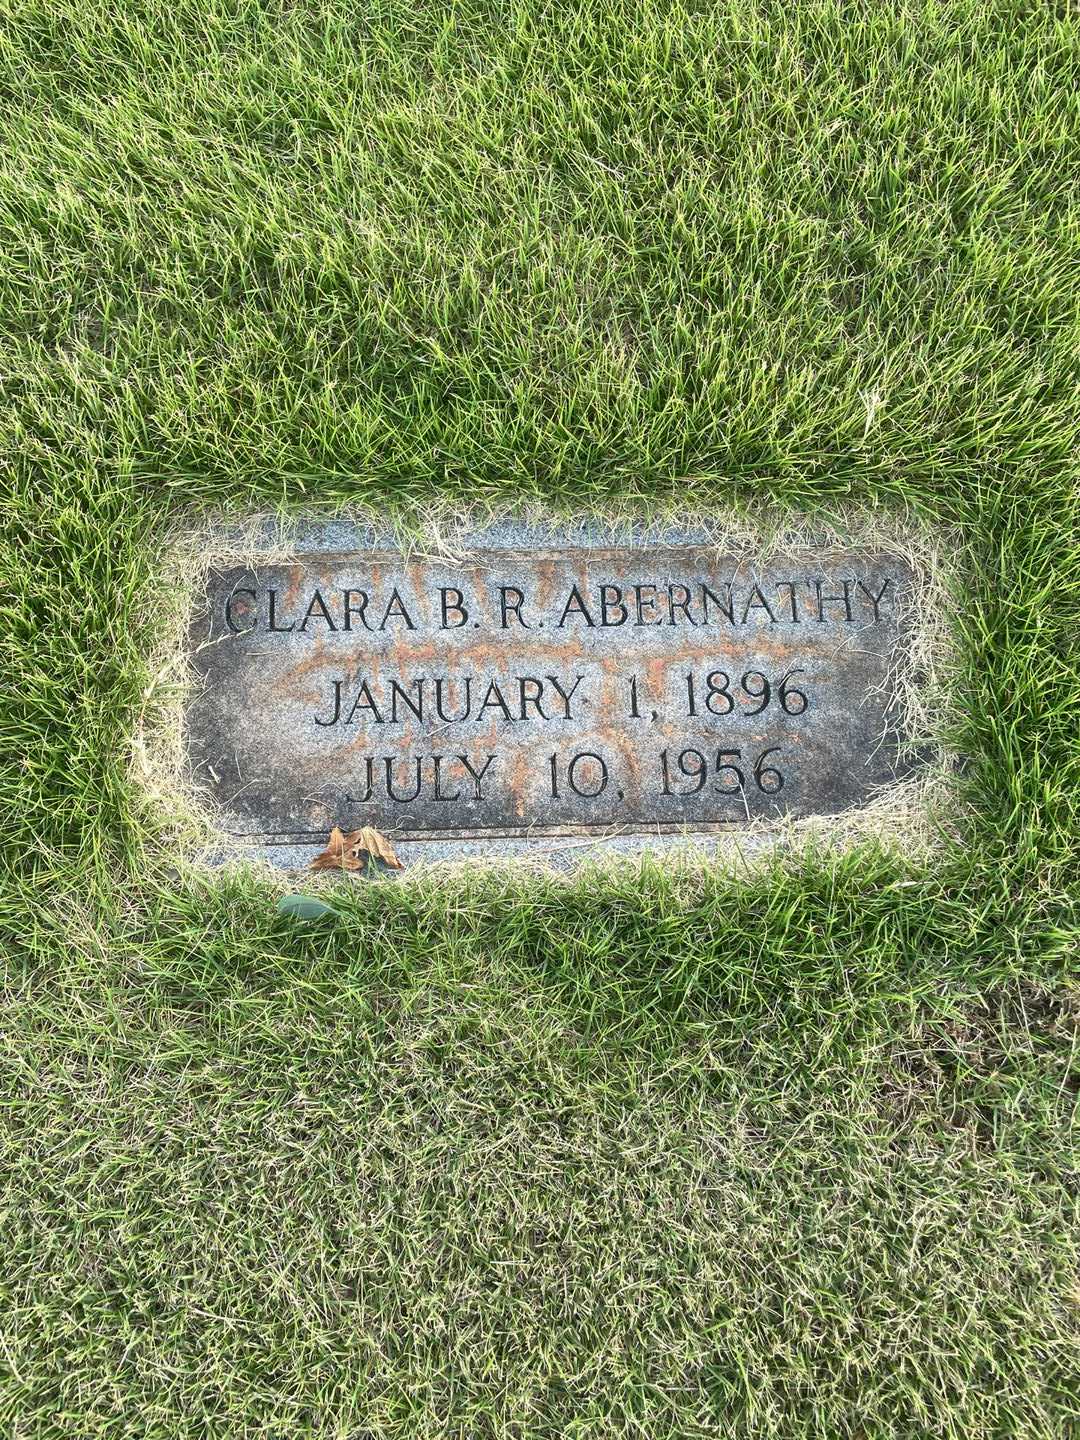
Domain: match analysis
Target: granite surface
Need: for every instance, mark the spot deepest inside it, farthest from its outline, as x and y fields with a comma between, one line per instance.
x=539, y=693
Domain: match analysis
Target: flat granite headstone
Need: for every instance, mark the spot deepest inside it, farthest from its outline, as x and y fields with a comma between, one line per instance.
x=526, y=693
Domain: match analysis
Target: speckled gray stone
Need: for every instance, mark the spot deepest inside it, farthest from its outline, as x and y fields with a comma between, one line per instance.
x=544, y=692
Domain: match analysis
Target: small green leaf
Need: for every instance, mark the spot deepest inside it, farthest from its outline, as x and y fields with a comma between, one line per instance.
x=305, y=907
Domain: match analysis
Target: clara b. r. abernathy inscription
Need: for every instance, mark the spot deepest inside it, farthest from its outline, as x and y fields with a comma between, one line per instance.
x=591, y=691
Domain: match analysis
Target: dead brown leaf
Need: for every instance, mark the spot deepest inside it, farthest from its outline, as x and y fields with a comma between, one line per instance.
x=338, y=854
x=352, y=851
x=374, y=842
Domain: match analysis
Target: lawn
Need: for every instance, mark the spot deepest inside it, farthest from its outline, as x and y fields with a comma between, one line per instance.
x=654, y=1154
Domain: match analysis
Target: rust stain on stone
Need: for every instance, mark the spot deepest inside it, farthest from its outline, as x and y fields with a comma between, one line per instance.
x=518, y=782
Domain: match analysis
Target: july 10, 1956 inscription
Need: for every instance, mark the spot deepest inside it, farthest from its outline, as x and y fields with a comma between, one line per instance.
x=552, y=692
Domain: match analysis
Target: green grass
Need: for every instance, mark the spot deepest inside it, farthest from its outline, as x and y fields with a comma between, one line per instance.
x=653, y=1157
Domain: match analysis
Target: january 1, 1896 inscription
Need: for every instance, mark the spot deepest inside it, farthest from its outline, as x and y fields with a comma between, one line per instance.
x=626, y=690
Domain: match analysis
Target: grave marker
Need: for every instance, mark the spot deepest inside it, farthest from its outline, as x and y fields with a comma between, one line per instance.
x=574, y=691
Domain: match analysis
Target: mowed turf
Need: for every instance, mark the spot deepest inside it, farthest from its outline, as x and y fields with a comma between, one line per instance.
x=652, y=1155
